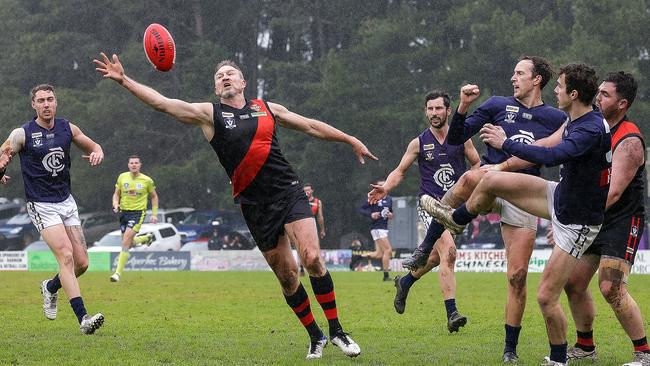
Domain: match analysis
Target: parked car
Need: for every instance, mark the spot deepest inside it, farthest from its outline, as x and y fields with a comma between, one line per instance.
x=20, y=226
x=11, y=242
x=170, y=215
x=9, y=210
x=97, y=224
x=166, y=237
x=199, y=225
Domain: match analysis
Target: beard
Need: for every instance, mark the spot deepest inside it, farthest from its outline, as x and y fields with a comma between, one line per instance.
x=440, y=123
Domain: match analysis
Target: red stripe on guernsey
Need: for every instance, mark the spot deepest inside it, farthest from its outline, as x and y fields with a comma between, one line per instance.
x=301, y=307
x=605, y=176
x=326, y=297
x=307, y=319
x=257, y=153
x=629, y=240
x=330, y=314
x=626, y=128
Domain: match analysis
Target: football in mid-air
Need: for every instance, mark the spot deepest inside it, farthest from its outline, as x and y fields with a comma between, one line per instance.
x=159, y=47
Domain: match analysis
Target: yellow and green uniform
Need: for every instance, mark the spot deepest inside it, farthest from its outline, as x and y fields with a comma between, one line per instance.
x=134, y=194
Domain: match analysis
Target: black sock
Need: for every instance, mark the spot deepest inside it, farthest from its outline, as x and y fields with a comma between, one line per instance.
x=324, y=290
x=512, y=338
x=558, y=352
x=450, y=306
x=299, y=303
x=54, y=284
x=385, y=274
x=78, y=307
x=463, y=217
x=641, y=345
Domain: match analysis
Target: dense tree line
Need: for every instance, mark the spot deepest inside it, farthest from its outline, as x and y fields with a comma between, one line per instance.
x=362, y=66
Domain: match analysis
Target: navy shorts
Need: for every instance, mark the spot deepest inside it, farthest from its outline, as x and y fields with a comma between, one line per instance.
x=131, y=219
x=619, y=240
x=266, y=221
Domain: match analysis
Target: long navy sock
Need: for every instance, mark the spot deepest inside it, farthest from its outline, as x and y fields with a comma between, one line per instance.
x=433, y=234
x=463, y=217
x=54, y=284
x=78, y=307
x=450, y=306
x=558, y=352
x=512, y=338
x=407, y=281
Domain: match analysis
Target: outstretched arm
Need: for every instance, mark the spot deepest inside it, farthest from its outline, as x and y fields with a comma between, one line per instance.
x=395, y=177
x=12, y=146
x=199, y=114
x=319, y=129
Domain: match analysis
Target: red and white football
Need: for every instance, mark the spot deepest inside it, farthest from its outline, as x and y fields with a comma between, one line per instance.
x=159, y=47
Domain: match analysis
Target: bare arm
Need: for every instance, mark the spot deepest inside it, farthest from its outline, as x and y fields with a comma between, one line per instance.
x=198, y=114
x=321, y=220
x=627, y=158
x=93, y=151
x=397, y=175
x=319, y=129
x=472, y=155
x=12, y=146
x=116, y=200
x=154, y=206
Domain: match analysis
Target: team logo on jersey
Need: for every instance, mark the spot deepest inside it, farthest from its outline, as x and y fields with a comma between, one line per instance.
x=255, y=107
x=428, y=147
x=444, y=177
x=527, y=115
x=428, y=155
x=244, y=116
x=138, y=186
x=49, y=136
x=37, y=142
x=524, y=137
x=126, y=185
x=258, y=114
x=510, y=117
x=36, y=135
x=227, y=114
x=634, y=232
x=230, y=122
x=53, y=161
x=512, y=108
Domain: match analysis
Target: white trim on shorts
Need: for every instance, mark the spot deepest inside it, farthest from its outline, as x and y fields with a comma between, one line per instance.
x=46, y=214
x=378, y=234
x=572, y=238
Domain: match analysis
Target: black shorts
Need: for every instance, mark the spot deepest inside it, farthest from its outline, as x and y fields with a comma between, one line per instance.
x=131, y=219
x=619, y=240
x=266, y=221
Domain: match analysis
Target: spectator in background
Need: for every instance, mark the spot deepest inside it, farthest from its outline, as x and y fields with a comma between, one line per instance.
x=379, y=213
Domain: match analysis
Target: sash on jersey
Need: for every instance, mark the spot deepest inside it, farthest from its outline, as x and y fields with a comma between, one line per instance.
x=257, y=153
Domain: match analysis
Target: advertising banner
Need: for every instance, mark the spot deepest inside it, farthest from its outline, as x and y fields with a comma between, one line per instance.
x=13, y=261
x=229, y=260
x=154, y=261
x=45, y=261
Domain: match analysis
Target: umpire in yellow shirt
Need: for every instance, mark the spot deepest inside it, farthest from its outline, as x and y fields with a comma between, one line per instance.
x=130, y=199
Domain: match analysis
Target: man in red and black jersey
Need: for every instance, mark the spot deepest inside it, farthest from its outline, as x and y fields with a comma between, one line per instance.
x=242, y=132
x=612, y=252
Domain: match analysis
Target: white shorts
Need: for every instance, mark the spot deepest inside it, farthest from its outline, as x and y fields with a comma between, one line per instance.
x=378, y=234
x=573, y=238
x=513, y=215
x=46, y=214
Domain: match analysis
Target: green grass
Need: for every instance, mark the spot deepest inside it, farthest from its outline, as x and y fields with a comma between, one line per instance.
x=240, y=318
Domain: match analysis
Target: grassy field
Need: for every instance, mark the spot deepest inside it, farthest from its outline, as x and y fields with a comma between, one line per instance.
x=240, y=318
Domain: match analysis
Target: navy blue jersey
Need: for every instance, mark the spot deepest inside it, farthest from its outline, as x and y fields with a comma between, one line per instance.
x=383, y=205
x=45, y=161
x=521, y=124
x=247, y=146
x=586, y=158
x=441, y=165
